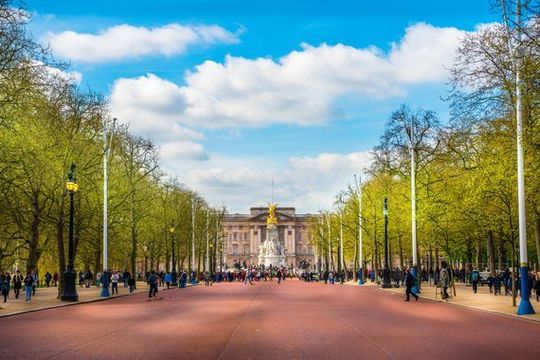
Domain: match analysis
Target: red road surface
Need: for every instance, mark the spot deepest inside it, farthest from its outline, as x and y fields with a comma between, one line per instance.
x=294, y=320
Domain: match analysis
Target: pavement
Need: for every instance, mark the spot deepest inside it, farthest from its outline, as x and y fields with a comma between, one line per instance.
x=46, y=297
x=482, y=300
x=294, y=320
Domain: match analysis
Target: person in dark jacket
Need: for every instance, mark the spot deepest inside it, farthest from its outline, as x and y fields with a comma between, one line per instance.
x=4, y=286
x=409, y=283
x=17, y=283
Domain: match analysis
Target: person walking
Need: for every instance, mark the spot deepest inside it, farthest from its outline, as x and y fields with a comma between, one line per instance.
x=48, y=278
x=55, y=279
x=537, y=285
x=35, y=284
x=248, y=278
x=131, y=283
x=28, y=281
x=168, y=279
x=4, y=286
x=115, y=277
x=475, y=276
x=17, y=283
x=444, y=280
x=409, y=283
x=152, y=282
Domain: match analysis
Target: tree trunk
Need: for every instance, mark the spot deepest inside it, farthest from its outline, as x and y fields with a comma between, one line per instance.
x=33, y=243
x=491, y=252
x=537, y=239
x=430, y=265
x=60, y=248
x=477, y=255
x=437, y=258
x=133, y=256
x=97, y=263
x=400, y=246
x=500, y=257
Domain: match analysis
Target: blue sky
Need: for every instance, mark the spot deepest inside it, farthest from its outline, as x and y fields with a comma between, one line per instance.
x=296, y=91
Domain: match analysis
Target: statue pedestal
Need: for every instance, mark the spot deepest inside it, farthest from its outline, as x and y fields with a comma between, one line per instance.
x=271, y=252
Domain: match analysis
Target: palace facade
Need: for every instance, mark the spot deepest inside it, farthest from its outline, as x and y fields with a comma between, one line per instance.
x=245, y=232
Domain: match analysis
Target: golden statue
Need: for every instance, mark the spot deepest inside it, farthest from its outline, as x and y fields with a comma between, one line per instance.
x=271, y=220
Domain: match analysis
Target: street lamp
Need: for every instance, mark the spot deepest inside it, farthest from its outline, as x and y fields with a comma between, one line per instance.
x=386, y=271
x=106, y=155
x=360, y=253
x=173, y=273
x=70, y=290
x=193, y=210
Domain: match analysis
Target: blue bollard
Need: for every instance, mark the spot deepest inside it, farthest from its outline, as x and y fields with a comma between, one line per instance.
x=105, y=284
x=525, y=306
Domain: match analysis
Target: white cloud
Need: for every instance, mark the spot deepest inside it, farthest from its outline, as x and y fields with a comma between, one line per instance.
x=304, y=87
x=127, y=41
x=183, y=150
x=310, y=183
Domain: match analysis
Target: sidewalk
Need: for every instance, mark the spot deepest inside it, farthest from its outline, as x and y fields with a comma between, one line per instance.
x=483, y=300
x=45, y=298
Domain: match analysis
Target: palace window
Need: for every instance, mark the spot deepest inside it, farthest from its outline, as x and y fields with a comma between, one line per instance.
x=235, y=249
x=235, y=236
x=246, y=249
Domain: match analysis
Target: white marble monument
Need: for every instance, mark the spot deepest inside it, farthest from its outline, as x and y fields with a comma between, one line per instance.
x=272, y=252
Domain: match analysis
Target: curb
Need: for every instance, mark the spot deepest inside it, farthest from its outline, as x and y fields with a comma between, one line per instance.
x=493, y=312
x=75, y=303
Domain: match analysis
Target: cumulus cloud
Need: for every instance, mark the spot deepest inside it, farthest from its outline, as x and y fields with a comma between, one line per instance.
x=304, y=87
x=310, y=183
x=183, y=150
x=127, y=41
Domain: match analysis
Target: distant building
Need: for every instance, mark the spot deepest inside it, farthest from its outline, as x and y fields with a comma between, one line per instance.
x=245, y=232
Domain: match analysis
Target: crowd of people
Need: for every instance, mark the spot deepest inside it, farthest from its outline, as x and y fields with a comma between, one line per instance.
x=18, y=281
x=444, y=278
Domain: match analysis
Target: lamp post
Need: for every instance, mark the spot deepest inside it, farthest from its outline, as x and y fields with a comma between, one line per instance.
x=70, y=290
x=174, y=275
x=525, y=307
x=360, y=253
x=106, y=154
x=193, y=209
x=412, y=151
x=207, y=260
x=330, y=259
x=341, y=257
x=386, y=271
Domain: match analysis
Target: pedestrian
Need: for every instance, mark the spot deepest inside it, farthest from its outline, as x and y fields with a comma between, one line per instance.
x=55, y=279
x=35, y=284
x=537, y=285
x=81, y=278
x=17, y=283
x=474, y=279
x=248, y=278
x=48, y=278
x=444, y=281
x=152, y=282
x=168, y=279
x=115, y=277
x=28, y=281
x=131, y=283
x=279, y=277
x=409, y=283
x=4, y=286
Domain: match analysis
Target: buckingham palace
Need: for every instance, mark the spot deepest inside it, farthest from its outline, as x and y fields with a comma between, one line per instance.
x=246, y=232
